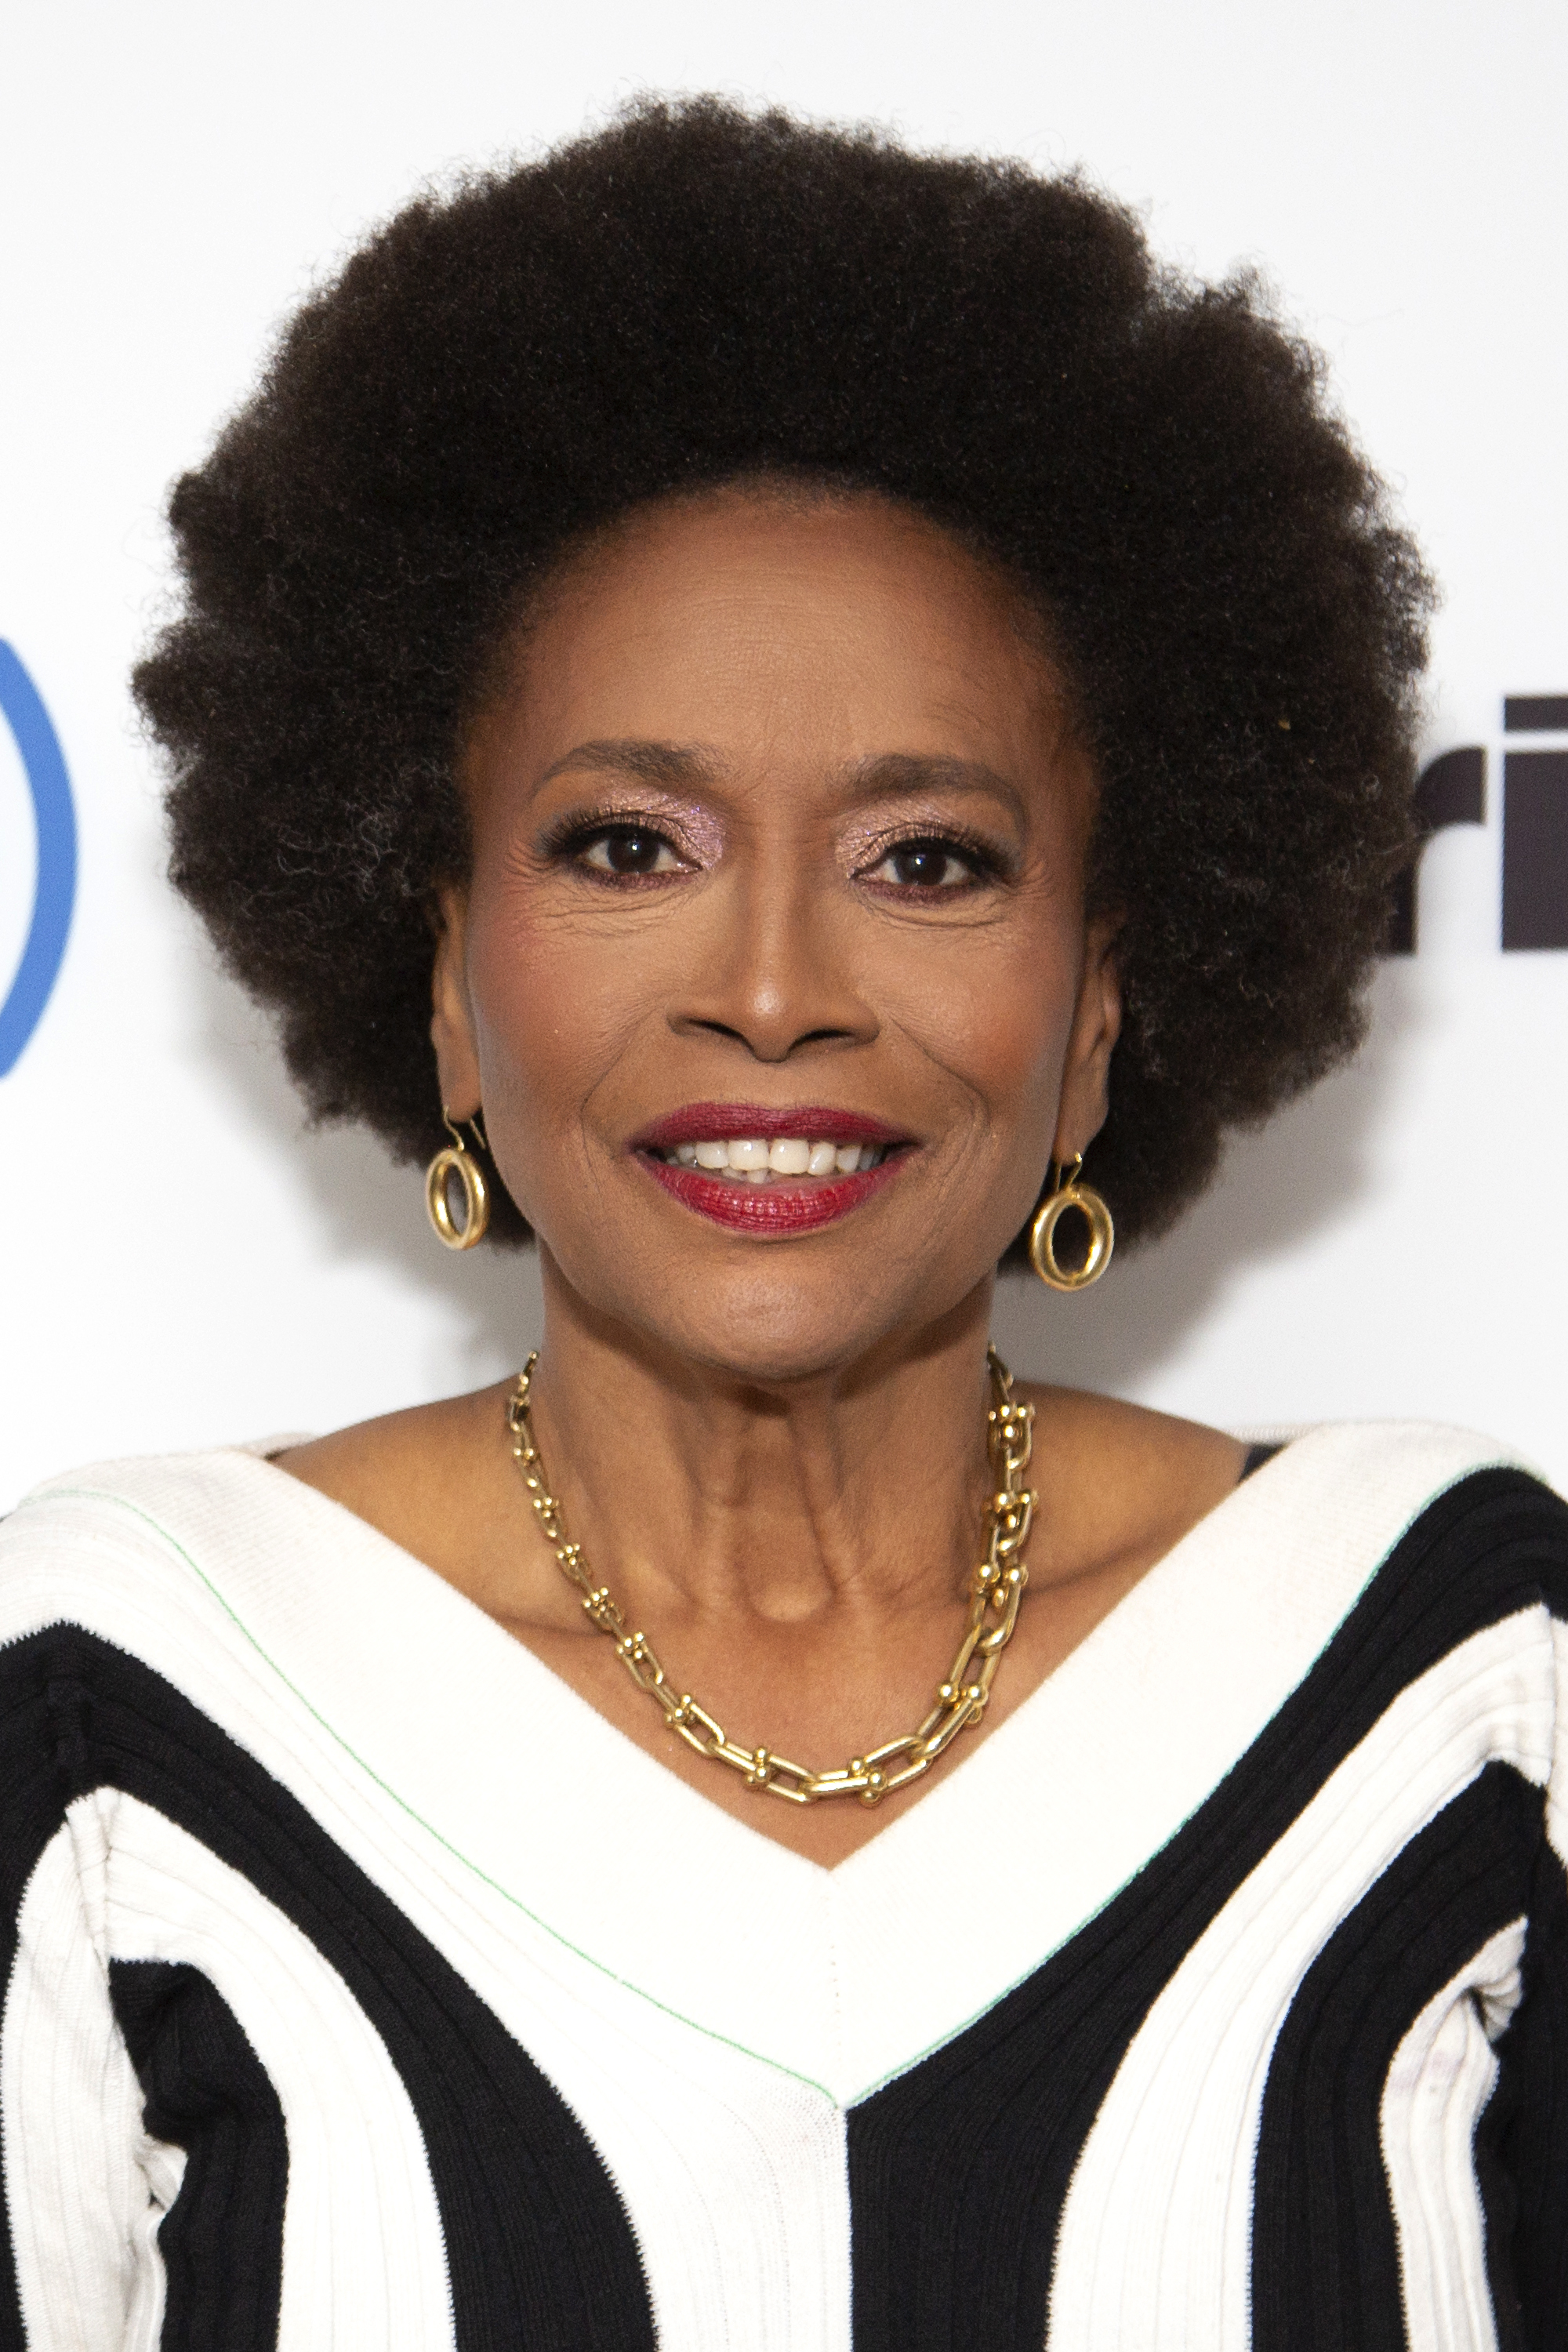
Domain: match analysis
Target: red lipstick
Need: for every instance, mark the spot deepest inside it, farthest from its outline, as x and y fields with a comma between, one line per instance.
x=785, y=1204
x=788, y=1205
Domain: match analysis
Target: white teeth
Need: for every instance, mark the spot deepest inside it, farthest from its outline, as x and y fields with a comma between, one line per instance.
x=752, y=1160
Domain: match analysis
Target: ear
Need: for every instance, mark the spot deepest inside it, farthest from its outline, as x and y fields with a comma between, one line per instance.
x=451, y=1024
x=1097, y=1026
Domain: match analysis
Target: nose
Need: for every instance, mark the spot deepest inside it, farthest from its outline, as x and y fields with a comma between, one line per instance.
x=774, y=971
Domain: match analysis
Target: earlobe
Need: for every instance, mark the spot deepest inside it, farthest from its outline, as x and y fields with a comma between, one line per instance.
x=451, y=1020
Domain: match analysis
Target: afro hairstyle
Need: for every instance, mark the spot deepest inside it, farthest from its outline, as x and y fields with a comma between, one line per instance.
x=694, y=296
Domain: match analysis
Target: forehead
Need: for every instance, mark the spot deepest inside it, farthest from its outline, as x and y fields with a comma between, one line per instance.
x=794, y=627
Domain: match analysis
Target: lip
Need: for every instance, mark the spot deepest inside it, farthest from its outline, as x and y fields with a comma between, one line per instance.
x=789, y=1206
x=711, y=1122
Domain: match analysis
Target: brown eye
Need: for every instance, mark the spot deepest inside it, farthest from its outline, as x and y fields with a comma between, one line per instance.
x=925, y=866
x=630, y=849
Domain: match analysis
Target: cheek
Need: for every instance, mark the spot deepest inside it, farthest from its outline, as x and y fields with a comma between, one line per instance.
x=997, y=1012
x=552, y=1012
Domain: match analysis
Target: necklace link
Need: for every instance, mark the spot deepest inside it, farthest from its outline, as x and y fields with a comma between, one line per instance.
x=996, y=1590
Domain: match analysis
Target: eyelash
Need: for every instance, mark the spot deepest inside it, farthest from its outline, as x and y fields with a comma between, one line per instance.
x=570, y=840
x=982, y=860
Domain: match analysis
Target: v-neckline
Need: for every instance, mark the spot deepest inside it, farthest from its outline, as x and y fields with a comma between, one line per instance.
x=839, y=1976
x=419, y=1571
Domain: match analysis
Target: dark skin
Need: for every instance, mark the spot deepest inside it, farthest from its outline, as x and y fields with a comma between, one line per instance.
x=780, y=803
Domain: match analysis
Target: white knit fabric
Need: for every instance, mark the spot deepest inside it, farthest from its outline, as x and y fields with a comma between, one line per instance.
x=1175, y=2133
x=1443, y=2073
x=708, y=2004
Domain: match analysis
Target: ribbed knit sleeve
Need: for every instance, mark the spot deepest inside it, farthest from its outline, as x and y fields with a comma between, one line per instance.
x=85, y=2185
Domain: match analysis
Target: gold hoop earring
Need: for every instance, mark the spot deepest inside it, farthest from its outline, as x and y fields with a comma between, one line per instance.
x=456, y=1160
x=1070, y=1194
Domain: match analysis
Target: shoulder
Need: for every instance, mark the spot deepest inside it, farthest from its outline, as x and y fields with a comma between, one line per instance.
x=1097, y=1438
x=1336, y=1505
x=1370, y=1488
x=131, y=1549
x=1398, y=1583
x=209, y=1596
x=1421, y=1533
x=424, y=1478
x=1373, y=1468
x=143, y=1489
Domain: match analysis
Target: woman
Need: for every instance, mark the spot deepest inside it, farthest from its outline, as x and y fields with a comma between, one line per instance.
x=883, y=725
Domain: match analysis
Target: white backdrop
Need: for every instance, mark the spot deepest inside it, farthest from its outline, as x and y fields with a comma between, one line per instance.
x=178, y=1265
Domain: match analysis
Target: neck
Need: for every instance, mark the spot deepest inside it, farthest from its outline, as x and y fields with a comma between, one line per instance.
x=700, y=1489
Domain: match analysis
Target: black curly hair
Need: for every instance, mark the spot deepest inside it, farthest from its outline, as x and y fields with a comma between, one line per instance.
x=694, y=296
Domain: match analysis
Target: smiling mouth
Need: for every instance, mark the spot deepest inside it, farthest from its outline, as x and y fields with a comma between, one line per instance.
x=771, y=1171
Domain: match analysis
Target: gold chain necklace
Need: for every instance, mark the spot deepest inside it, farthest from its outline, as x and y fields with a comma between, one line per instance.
x=995, y=1591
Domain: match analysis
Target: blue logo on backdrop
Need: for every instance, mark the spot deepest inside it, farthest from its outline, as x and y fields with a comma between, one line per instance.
x=56, y=891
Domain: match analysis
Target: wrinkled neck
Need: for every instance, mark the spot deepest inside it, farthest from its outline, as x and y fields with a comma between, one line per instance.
x=693, y=1487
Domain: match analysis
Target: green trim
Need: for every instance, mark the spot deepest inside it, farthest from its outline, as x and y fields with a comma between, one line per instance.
x=102, y=1494
x=1501, y=1460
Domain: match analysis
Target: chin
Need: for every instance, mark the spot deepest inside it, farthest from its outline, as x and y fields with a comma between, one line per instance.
x=795, y=1349
x=778, y=1324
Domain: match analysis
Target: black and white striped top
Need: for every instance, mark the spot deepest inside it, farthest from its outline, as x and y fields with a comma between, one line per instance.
x=365, y=1992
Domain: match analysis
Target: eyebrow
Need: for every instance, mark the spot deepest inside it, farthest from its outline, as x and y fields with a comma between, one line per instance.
x=651, y=764
x=677, y=765
x=917, y=772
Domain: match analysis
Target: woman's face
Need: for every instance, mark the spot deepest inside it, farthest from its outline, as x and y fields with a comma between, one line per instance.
x=779, y=837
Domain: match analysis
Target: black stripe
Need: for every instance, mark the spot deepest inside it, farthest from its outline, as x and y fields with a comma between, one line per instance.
x=207, y=2092
x=1522, y=2148
x=1325, y=2254
x=959, y=2169
x=31, y=1812
x=538, y=2244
